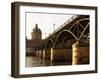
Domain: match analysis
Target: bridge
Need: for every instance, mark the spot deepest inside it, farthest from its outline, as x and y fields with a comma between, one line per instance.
x=70, y=42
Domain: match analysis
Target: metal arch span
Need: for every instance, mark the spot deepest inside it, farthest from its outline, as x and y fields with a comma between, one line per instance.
x=68, y=32
x=71, y=34
x=50, y=40
x=78, y=22
x=83, y=31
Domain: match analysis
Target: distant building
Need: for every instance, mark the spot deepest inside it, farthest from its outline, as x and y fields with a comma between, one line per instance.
x=32, y=44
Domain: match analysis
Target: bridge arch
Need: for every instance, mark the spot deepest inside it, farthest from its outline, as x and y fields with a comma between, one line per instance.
x=78, y=27
x=83, y=32
x=65, y=35
x=78, y=22
x=49, y=43
x=54, y=39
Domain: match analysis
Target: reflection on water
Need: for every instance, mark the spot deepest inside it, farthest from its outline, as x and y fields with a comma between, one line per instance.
x=32, y=61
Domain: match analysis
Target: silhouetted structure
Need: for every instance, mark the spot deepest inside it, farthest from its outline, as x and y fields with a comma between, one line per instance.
x=32, y=44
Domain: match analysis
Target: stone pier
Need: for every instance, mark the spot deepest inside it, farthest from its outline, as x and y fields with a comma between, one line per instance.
x=61, y=54
x=46, y=53
x=43, y=54
x=37, y=53
x=40, y=53
x=80, y=53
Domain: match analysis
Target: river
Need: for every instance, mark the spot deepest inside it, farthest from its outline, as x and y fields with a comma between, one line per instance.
x=33, y=61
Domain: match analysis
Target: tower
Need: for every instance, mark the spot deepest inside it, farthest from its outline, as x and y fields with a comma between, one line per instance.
x=36, y=33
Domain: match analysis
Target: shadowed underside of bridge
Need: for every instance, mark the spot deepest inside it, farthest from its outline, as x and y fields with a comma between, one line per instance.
x=70, y=42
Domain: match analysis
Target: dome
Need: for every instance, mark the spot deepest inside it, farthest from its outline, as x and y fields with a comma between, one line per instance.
x=36, y=29
x=36, y=33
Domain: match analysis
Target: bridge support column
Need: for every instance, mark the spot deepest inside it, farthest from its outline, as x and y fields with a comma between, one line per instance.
x=40, y=53
x=61, y=54
x=43, y=53
x=47, y=53
x=37, y=53
x=80, y=53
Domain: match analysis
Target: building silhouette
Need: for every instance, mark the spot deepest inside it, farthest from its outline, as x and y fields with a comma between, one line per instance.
x=33, y=43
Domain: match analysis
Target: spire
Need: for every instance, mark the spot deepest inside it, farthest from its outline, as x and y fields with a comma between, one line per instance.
x=36, y=26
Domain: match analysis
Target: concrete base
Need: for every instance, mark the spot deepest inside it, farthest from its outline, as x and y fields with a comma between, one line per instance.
x=61, y=54
x=80, y=54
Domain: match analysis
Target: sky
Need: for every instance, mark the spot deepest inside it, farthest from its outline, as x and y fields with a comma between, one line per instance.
x=47, y=22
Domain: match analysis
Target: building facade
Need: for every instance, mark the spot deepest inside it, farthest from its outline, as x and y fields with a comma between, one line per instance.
x=33, y=43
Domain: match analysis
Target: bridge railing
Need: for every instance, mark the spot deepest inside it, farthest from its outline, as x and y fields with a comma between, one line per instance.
x=64, y=24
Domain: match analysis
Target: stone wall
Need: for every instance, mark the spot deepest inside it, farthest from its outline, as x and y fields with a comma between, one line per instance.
x=80, y=54
x=46, y=54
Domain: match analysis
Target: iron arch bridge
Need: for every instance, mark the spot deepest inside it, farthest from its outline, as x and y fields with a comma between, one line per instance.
x=54, y=47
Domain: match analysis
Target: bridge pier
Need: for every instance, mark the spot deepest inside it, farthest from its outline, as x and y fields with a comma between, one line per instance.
x=40, y=53
x=37, y=53
x=46, y=54
x=80, y=53
x=61, y=54
x=43, y=53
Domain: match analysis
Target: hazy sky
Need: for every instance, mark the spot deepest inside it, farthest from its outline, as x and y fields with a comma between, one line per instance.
x=45, y=22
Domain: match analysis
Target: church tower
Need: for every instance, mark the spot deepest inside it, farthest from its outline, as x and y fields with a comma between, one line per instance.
x=36, y=33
